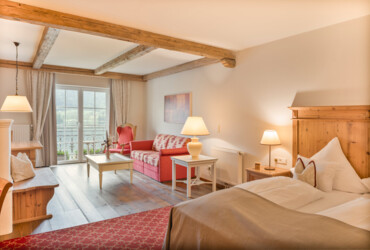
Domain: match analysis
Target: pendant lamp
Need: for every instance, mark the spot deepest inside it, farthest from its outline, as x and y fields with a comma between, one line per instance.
x=16, y=103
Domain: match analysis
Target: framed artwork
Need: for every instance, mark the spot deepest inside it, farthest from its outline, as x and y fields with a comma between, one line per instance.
x=177, y=108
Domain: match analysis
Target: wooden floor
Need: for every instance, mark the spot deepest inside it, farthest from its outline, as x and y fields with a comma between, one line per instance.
x=78, y=200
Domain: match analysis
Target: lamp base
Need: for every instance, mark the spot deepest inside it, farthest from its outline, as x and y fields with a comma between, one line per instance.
x=194, y=148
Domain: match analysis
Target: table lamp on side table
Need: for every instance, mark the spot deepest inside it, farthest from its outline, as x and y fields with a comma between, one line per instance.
x=194, y=126
x=270, y=138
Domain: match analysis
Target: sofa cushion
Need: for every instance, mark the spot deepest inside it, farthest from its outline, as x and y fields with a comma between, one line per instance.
x=160, y=142
x=177, y=142
x=152, y=158
x=139, y=154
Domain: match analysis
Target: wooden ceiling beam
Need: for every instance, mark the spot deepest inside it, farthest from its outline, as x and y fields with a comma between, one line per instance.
x=182, y=67
x=70, y=70
x=59, y=20
x=125, y=57
x=46, y=43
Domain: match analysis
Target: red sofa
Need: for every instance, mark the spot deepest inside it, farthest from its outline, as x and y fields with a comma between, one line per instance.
x=153, y=157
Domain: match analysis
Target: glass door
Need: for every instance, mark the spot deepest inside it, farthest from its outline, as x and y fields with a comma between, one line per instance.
x=82, y=116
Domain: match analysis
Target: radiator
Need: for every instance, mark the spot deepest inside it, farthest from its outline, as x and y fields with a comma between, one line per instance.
x=21, y=133
x=229, y=166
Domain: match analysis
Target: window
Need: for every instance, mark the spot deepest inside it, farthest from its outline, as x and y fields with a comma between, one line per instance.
x=82, y=116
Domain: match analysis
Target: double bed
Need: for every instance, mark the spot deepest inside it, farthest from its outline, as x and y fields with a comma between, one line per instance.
x=282, y=212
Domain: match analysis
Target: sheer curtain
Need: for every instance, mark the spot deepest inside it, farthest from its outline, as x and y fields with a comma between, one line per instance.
x=40, y=91
x=119, y=105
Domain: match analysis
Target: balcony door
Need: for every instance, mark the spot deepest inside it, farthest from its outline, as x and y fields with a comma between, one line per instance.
x=82, y=116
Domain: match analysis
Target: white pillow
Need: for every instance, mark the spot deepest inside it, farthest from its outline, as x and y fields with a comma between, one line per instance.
x=325, y=173
x=366, y=182
x=346, y=178
x=24, y=156
x=21, y=169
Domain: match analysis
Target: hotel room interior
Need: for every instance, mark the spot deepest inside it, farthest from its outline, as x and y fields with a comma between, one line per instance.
x=237, y=124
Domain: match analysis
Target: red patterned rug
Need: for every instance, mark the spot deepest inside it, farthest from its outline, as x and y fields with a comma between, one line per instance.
x=144, y=230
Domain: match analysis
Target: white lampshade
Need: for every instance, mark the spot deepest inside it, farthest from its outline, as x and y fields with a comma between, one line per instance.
x=194, y=125
x=270, y=137
x=16, y=103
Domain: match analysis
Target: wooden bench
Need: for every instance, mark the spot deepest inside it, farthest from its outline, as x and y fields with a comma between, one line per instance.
x=30, y=200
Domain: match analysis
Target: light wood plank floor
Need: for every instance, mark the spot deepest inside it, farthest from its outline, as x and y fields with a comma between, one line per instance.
x=78, y=200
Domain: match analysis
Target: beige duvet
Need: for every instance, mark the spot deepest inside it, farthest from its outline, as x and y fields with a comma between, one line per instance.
x=238, y=219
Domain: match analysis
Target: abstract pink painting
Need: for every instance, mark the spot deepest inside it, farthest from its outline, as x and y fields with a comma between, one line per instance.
x=177, y=108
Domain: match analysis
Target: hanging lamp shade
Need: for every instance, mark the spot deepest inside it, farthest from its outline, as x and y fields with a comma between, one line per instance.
x=16, y=103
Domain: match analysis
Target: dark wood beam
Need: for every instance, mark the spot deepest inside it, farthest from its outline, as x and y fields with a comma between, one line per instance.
x=182, y=67
x=46, y=43
x=70, y=70
x=125, y=57
x=59, y=20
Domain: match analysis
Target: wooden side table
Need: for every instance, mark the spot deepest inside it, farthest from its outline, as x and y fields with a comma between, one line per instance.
x=188, y=162
x=254, y=174
x=101, y=163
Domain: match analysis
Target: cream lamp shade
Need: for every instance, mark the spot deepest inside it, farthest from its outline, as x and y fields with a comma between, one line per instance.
x=194, y=125
x=16, y=103
x=270, y=137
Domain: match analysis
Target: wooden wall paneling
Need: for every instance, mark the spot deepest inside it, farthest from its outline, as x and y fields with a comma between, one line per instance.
x=314, y=127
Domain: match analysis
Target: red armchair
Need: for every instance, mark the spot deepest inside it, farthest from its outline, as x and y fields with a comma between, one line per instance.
x=153, y=157
x=126, y=134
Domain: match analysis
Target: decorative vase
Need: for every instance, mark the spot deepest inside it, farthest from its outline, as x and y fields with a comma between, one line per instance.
x=107, y=153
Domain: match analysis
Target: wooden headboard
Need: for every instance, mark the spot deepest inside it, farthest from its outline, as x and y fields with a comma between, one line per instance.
x=314, y=127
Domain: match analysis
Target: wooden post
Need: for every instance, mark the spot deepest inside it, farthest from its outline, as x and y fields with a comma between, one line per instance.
x=6, y=215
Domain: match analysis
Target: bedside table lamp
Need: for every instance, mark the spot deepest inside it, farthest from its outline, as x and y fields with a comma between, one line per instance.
x=270, y=138
x=194, y=125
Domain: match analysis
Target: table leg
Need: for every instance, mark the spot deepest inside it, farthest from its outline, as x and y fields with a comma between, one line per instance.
x=131, y=172
x=188, y=182
x=115, y=171
x=100, y=179
x=88, y=169
x=213, y=178
x=173, y=175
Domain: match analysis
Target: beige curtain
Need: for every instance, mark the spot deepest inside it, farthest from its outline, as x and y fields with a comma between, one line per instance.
x=49, y=134
x=39, y=87
x=120, y=94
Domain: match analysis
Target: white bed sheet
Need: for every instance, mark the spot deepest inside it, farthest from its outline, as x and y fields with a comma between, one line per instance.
x=329, y=200
x=351, y=208
x=355, y=212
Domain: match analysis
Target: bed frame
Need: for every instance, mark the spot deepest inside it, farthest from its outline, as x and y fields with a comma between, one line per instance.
x=314, y=127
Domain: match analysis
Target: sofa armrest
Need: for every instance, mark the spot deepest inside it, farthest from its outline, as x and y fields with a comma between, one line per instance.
x=141, y=145
x=174, y=151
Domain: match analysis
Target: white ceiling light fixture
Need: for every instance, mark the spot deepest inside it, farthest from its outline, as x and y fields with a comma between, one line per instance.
x=16, y=103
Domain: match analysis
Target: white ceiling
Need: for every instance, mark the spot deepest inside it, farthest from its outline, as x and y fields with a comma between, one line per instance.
x=154, y=61
x=80, y=50
x=231, y=24
x=27, y=34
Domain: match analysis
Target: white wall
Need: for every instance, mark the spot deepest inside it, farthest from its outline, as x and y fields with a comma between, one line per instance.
x=329, y=66
x=137, y=113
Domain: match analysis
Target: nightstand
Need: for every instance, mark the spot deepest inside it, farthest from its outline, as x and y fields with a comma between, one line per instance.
x=254, y=174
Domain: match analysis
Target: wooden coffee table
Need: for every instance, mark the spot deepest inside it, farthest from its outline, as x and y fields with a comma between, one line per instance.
x=101, y=163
